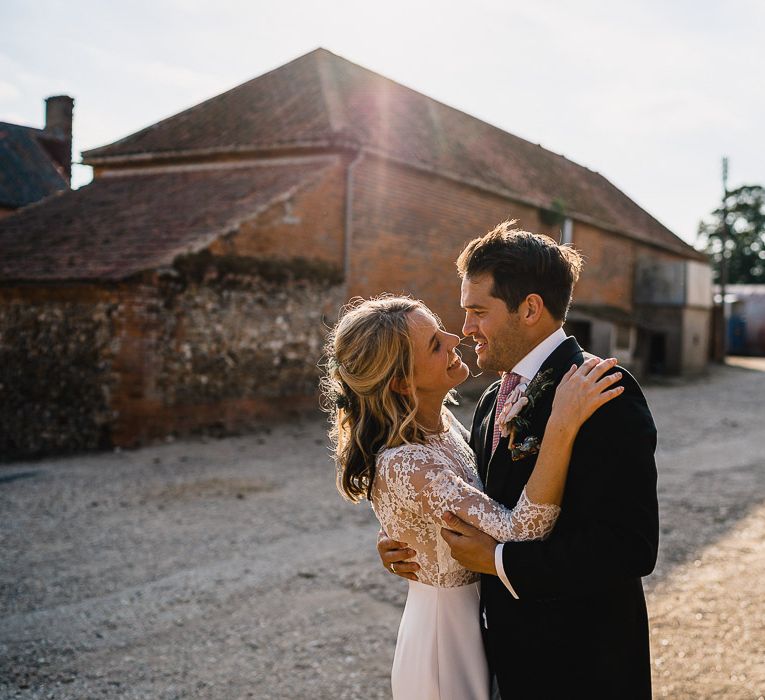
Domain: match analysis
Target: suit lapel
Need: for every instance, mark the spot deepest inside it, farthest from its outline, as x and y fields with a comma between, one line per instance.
x=498, y=469
x=486, y=431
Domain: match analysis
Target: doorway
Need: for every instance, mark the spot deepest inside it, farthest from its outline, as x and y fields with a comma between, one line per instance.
x=657, y=354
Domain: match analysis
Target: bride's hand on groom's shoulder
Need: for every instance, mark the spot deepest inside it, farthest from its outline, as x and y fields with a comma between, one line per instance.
x=583, y=390
x=394, y=556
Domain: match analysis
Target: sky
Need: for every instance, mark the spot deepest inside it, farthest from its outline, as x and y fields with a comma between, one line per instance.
x=652, y=94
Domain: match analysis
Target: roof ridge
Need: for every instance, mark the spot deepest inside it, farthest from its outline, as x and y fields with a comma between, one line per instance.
x=24, y=126
x=326, y=75
x=446, y=105
x=328, y=82
x=323, y=99
x=503, y=132
x=645, y=211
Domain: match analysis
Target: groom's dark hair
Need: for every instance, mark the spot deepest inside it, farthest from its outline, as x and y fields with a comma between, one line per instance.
x=523, y=263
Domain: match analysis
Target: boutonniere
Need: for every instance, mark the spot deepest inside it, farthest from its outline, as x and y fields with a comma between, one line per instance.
x=515, y=414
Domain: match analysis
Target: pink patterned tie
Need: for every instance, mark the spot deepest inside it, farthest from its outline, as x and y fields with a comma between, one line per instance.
x=510, y=380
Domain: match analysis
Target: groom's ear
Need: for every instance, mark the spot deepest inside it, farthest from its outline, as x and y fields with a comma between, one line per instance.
x=531, y=309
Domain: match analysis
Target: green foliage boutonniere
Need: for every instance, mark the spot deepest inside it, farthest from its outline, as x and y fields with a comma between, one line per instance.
x=515, y=414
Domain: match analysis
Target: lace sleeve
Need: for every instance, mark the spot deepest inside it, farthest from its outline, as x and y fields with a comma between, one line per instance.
x=436, y=488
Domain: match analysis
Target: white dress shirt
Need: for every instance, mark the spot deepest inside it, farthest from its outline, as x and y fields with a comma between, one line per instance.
x=527, y=368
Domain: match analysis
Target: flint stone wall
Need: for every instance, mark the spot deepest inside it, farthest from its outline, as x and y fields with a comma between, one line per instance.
x=217, y=350
x=54, y=375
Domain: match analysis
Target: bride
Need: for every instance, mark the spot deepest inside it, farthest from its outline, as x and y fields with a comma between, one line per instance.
x=390, y=368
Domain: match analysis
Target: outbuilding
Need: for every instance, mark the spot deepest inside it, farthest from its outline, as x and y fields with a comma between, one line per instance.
x=190, y=285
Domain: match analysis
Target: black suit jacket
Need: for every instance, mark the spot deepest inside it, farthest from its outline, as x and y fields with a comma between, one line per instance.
x=579, y=627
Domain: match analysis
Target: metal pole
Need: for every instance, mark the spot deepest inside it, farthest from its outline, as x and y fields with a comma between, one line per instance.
x=723, y=259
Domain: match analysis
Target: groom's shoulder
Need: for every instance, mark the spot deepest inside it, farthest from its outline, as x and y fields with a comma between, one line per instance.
x=626, y=412
x=630, y=409
x=628, y=380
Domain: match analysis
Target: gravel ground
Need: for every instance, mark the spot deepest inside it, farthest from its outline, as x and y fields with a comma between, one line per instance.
x=231, y=568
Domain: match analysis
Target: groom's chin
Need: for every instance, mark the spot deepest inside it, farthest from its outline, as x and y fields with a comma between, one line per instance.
x=482, y=364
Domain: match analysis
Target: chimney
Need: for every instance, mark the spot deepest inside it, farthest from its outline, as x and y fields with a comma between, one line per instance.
x=58, y=123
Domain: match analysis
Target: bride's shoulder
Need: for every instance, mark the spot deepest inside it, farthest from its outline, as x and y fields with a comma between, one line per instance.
x=454, y=424
x=409, y=459
x=405, y=452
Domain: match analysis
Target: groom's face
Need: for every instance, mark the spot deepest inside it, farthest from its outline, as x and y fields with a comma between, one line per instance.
x=499, y=335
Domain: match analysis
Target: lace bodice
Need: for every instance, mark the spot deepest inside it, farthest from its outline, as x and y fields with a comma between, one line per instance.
x=416, y=484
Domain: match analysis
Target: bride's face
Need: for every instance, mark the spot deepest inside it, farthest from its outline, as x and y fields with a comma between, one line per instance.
x=437, y=366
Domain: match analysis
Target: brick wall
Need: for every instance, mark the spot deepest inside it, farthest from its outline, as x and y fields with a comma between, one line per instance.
x=608, y=275
x=309, y=224
x=409, y=227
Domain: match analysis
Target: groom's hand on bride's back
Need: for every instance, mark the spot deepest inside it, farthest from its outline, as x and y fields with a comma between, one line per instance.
x=471, y=547
x=394, y=556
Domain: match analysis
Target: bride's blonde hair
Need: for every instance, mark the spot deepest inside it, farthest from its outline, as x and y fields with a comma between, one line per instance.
x=369, y=348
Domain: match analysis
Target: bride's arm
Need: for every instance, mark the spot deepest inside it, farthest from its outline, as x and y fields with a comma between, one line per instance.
x=580, y=393
x=444, y=491
x=439, y=490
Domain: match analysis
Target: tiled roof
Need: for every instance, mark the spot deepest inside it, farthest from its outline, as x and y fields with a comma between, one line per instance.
x=323, y=100
x=27, y=172
x=120, y=225
x=285, y=106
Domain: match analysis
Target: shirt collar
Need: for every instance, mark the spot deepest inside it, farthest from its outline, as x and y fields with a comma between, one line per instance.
x=531, y=363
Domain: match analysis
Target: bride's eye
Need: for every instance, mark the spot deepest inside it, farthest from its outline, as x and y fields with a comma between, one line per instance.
x=437, y=346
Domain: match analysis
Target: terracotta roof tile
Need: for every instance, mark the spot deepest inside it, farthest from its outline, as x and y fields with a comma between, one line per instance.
x=120, y=225
x=323, y=99
x=283, y=106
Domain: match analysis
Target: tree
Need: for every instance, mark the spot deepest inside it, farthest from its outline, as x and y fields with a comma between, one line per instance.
x=745, y=246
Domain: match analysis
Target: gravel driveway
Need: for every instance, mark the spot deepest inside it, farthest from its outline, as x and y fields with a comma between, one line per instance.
x=231, y=568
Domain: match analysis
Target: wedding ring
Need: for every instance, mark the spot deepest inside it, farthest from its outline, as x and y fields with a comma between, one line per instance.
x=392, y=568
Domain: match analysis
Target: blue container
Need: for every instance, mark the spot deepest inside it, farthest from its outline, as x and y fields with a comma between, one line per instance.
x=736, y=335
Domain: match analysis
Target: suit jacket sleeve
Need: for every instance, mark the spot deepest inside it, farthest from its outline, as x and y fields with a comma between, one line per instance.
x=609, y=526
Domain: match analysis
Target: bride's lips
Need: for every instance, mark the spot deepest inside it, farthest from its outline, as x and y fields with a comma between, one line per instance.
x=456, y=362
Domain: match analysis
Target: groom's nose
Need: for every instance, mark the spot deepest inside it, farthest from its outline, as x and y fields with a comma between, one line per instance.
x=468, y=327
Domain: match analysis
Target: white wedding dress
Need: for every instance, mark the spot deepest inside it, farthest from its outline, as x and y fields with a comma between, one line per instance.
x=439, y=652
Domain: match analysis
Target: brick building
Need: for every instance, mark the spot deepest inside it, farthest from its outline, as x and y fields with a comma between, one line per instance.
x=189, y=284
x=35, y=163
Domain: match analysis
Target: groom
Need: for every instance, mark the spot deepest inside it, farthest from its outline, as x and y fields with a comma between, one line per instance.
x=564, y=617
